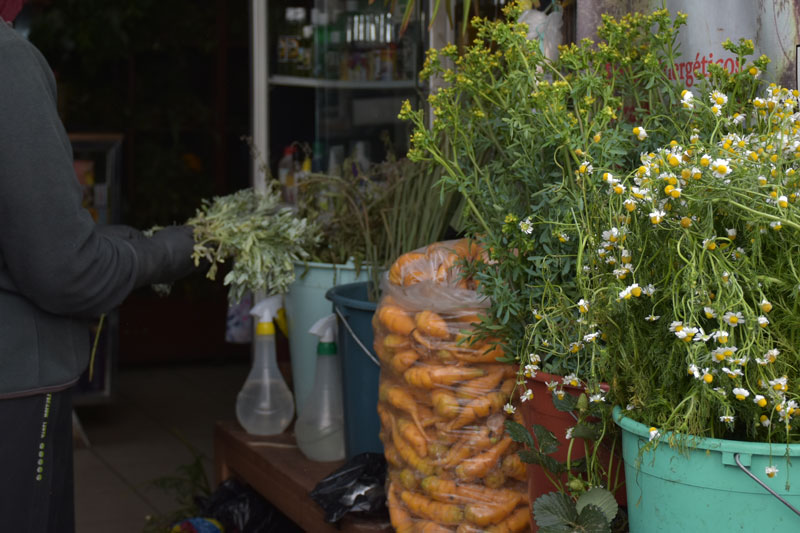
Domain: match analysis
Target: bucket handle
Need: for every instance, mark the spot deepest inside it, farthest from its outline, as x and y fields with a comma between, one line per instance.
x=355, y=337
x=746, y=471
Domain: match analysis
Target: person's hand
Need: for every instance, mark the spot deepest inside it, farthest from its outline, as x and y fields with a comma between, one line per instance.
x=166, y=256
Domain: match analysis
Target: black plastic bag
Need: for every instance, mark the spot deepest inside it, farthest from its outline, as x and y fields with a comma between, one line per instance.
x=240, y=509
x=357, y=487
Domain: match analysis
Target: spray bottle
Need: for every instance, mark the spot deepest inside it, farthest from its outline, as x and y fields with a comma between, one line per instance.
x=265, y=405
x=320, y=427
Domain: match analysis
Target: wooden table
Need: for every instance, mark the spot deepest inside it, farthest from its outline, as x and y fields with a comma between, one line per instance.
x=275, y=468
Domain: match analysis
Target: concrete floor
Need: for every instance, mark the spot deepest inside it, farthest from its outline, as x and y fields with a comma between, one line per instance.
x=159, y=415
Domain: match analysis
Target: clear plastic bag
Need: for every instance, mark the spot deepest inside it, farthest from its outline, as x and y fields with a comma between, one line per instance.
x=451, y=467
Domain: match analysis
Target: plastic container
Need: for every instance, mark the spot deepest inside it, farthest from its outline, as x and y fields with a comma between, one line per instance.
x=320, y=429
x=305, y=304
x=265, y=405
x=360, y=370
x=701, y=488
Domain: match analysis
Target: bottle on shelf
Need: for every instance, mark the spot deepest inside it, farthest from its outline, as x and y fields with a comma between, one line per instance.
x=265, y=405
x=289, y=40
x=286, y=173
x=320, y=426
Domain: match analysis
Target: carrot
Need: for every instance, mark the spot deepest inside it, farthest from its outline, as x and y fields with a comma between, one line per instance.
x=392, y=457
x=449, y=491
x=518, y=521
x=443, y=513
x=408, y=479
x=426, y=526
x=467, y=248
x=478, y=355
x=494, y=479
x=471, y=444
x=480, y=465
x=396, y=342
x=408, y=454
x=415, y=276
x=445, y=403
x=466, y=527
x=430, y=376
x=385, y=416
x=424, y=341
x=395, y=319
x=384, y=354
x=403, y=360
x=431, y=324
x=401, y=520
x=412, y=435
x=485, y=513
x=396, y=272
x=480, y=407
x=400, y=399
x=482, y=385
x=514, y=467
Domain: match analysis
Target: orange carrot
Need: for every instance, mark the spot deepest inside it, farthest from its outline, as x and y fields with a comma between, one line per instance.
x=480, y=386
x=430, y=376
x=396, y=342
x=480, y=407
x=408, y=454
x=385, y=416
x=402, y=360
x=479, y=465
x=494, y=479
x=392, y=457
x=431, y=324
x=426, y=526
x=473, y=443
x=485, y=513
x=408, y=479
x=412, y=435
x=443, y=513
x=400, y=399
x=396, y=272
x=482, y=354
x=395, y=319
x=466, y=527
x=514, y=467
x=445, y=403
x=424, y=341
x=449, y=491
x=401, y=520
x=518, y=521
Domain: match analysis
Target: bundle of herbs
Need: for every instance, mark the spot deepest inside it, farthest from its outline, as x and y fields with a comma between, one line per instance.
x=261, y=237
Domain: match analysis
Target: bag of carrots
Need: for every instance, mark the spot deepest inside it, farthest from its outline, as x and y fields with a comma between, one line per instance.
x=441, y=399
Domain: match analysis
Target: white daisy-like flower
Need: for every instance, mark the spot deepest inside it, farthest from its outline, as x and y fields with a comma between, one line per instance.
x=765, y=305
x=654, y=433
x=717, y=98
x=763, y=321
x=551, y=385
x=640, y=133
x=694, y=370
x=721, y=336
x=687, y=99
x=534, y=357
x=649, y=290
x=733, y=319
x=526, y=226
x=510, y=409
x=721, y=167
x=702, y=336
x=657, y=216
x=759, y=400
x=676, y=325
x=527, y=395
x=568, y=433
x=583, y=306
x=585, y=168
x=733, y=372
x=731, y=233
x=590, y=337
x=740, y=393
x=771, y=471
x=530, y=370
x=737, y=119
x=709, y=312
x=652, y=318
x=597, y=398
x=572, y=380
x=779, y=384
x=728, y=419
x=611, y=235
x=782, y=201
x=630, y=407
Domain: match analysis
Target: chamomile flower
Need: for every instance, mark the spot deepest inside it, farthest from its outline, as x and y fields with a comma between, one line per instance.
x=765, y=421
x=733, y=373
x=571, y=380
x=687, y=99
x=551, y=385
x=657, y=216
x=721, y=336
x=721, y=167
x=728, y=419
x=612, y=235
x=731, y=233
x=630, y=407
x=770, y=471
x=779, y=384
x=585, y=168
x=733, y=319
x=510, y=409
x=640, y=133
x=710, y=313
x=718, y=98
x=763, y=321
x=649, y=290
x=759, y=400
x=526, y=226
x=765, y=305
x=568, y=433
x=776, y=225
x=597, y=398
x=583, y=306
x=740, y=393
x=694, y=371
x=630, y=205
x=654, y=433
x=652, y=317
x=676, y=326
x=705, y=160
x=530, y=370
x=591, y=337
x=527, y=395
x=782, y=201
x=716, y=110
x=707, y=376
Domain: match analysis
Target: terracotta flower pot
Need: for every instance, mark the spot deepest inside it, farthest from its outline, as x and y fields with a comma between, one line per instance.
x=540, y=410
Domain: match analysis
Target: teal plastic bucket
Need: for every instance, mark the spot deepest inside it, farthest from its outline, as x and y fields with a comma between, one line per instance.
x=305, y=303
x=702, y=488
x=360, y=368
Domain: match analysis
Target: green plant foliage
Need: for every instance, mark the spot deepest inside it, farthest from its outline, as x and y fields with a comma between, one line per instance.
x=600, y=498
x=557, y=513
x=262, y=238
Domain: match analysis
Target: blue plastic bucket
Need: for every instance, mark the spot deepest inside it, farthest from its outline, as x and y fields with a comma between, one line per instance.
x=305, y=303
x=360, y=368
x=700, y=487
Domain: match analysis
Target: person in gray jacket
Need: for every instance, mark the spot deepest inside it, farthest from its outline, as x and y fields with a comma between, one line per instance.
x=59, y=272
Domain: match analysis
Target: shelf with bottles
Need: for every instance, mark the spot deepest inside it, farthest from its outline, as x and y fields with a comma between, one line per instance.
x=345, y=44
x=324, y=83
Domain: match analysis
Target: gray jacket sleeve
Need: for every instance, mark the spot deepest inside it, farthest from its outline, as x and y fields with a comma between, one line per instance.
x=49, y=247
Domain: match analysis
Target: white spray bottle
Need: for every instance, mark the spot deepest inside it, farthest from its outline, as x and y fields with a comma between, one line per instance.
x=320, y=427
x=265, y=405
